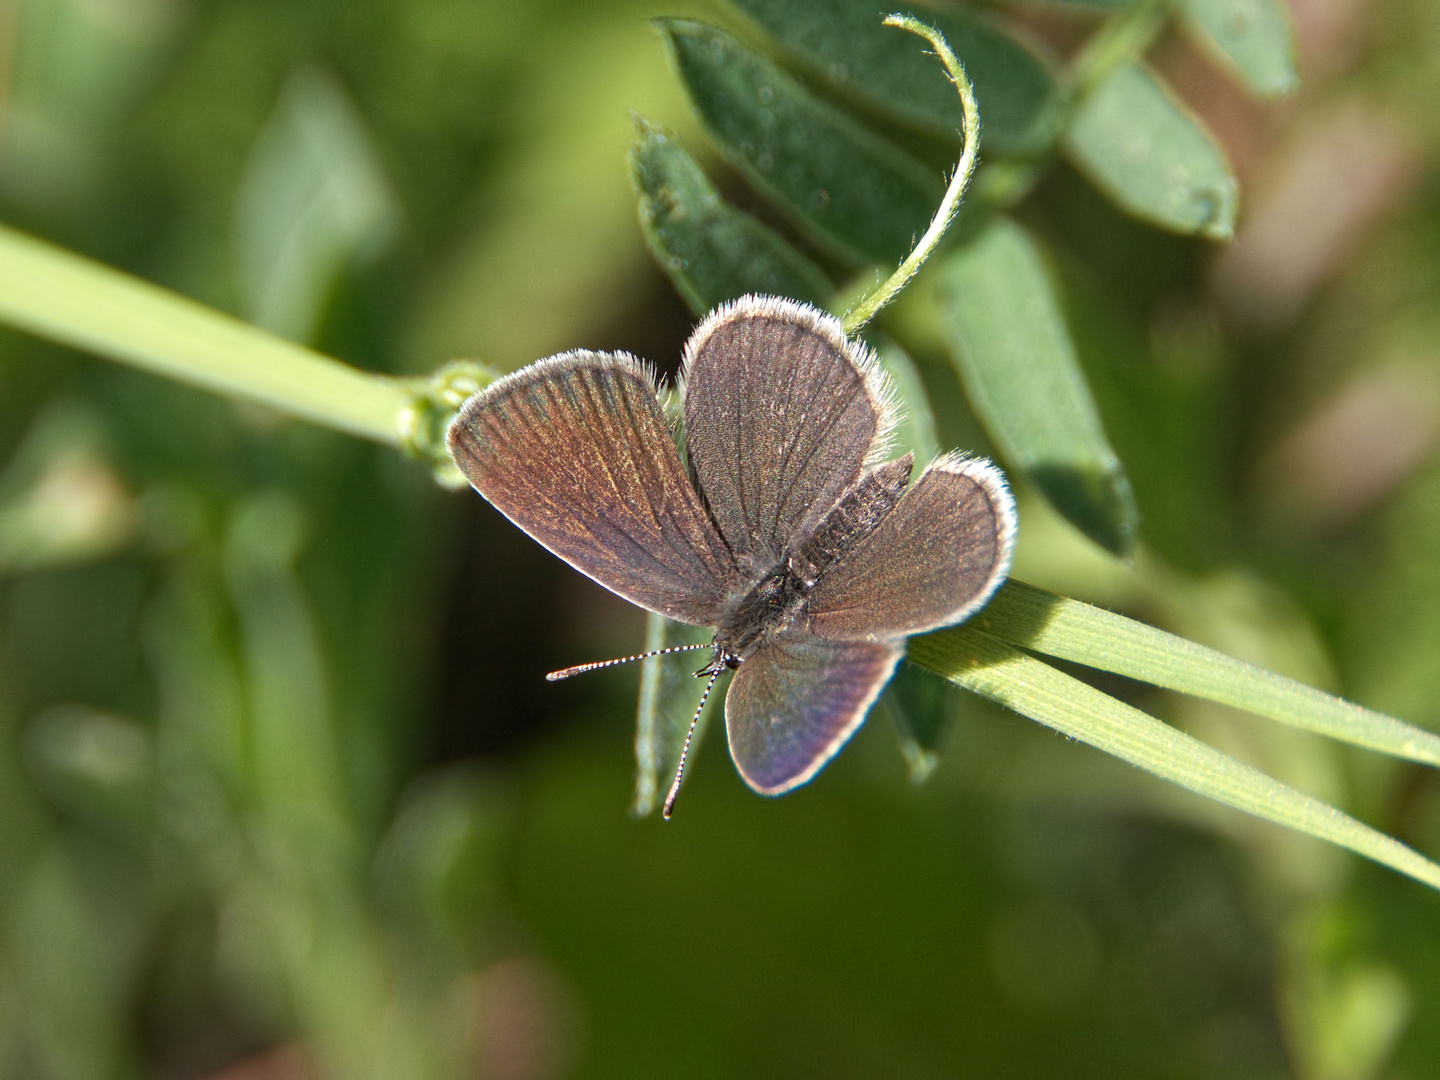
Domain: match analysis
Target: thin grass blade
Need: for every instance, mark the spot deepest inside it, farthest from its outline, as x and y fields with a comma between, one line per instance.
x=978, y=662
x=1071, y=630
x=669, y=693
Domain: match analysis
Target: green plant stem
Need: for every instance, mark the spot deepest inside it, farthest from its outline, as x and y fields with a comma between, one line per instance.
x=856, y=319
x=1125, y=37
x=76, y=301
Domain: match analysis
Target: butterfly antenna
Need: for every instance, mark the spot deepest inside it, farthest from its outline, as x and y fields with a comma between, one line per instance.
x=596, y=665
x=674, y=792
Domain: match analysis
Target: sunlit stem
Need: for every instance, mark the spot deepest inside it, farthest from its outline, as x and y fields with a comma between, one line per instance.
x=65, y=297
x=674, y=792
x=857, y=317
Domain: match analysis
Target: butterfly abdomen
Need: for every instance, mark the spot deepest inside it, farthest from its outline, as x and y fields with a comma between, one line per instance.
x=854, y=517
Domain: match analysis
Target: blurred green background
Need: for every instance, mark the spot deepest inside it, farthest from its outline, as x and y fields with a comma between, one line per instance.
x=282, y=791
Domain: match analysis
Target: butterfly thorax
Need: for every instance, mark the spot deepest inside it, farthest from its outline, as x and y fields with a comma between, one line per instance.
x=777, y=601
x=771, y=606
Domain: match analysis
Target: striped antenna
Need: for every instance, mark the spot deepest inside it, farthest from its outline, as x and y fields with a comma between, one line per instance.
x=596, y=665
x=685, y=750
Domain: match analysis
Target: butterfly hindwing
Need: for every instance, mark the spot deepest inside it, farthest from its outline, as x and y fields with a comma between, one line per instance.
x=576, y=451
x=794, y=703
x=933, y=560
x=781, y=415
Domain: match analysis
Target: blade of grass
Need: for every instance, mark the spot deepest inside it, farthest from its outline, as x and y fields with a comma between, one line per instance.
x=669, y=693
x=1071, y=630
x=68, y=298
x=983, y=664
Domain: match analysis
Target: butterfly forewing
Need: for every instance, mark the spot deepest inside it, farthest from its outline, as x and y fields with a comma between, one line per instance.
x=576, y=451
x=933, y=561
x=793, y=704
x=781, y=415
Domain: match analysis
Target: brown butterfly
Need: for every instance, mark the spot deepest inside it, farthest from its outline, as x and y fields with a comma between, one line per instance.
x=812, y=556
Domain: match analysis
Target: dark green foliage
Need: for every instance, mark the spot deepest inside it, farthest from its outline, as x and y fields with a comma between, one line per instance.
x=861, y=197
x=844, y=42
x=712, y=251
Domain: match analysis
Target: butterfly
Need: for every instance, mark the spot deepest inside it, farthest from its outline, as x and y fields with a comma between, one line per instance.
x=784, y=527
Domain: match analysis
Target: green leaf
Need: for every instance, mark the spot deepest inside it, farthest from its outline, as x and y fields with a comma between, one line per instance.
x=669, y=693
x=844, y=41
x=987, y=666
x=1140, y=147
x=710, y=250
x=1160, y=384
x=314, y=198
x=1253, y=37
x=1007, y=335
x=1057, y=626
x=853, y=193
x=919, y=703
x=292, y=747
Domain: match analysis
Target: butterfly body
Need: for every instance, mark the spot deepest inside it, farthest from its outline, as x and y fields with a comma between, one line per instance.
x=812, y=556
x=777, y=602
